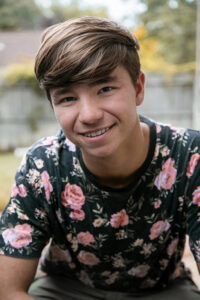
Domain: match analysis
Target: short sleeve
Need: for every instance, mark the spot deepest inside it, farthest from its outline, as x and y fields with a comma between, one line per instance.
x=24, y=225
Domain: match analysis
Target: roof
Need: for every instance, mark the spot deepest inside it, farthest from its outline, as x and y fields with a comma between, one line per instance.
x=17, y=46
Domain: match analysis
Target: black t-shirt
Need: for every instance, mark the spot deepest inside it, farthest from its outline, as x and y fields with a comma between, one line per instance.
x=127, y=239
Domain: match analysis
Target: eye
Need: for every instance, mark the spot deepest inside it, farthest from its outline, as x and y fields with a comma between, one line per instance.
x=106, y=89
x=67, y=99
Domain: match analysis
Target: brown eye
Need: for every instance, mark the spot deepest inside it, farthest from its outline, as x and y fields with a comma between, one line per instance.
x=68, y=99
x=106, y=89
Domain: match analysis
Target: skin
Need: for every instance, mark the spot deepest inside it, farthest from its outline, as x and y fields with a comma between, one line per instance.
x=16, y=276
x=82, y=110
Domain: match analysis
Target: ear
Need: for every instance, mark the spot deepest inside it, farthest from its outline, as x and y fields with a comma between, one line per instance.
x=140, y=89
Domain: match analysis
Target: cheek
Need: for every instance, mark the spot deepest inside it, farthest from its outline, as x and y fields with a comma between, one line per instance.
x=123, y=105
x=64, y=118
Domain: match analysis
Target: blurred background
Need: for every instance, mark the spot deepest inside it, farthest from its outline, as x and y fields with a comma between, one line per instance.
x=169, y=36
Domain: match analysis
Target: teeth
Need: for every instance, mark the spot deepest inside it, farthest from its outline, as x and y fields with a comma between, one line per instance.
x=97, y=133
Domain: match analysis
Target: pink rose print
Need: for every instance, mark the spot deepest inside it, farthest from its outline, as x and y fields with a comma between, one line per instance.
x=158, y=228
x=112, y=277
x=71, y=146
x=157, y=204
x=158, y=128
x=85, y=238
x=77, y=215
x=47, y=185
x=98, y=222
x=73, y=196
x=88, y=258
x=172, y=247
x=19, y=236
x=167, y=176
x=14, y=191
x=49, y=141
x=60, y=255
x=18, y=190
x=139, y=271
x=192, y=164
x=148, y=283
x=196, y=196
x=119, y=219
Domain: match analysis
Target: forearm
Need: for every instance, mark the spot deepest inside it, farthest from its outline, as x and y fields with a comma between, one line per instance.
x=17, y=296
x=198, y=266
x=16, y=275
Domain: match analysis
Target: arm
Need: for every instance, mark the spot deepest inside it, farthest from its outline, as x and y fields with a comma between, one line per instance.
x=198, y=267
x=16, y=275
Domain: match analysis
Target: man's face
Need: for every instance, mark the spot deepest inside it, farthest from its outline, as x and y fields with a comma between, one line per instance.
x=100, y=118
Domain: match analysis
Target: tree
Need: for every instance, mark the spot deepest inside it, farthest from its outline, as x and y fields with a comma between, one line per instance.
x=152, y=61
x=62, y=12
x=26, y=14
x=17, y=14
x=173, y=23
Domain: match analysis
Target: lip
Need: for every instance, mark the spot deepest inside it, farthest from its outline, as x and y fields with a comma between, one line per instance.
x=95, y=130
x=104, y=130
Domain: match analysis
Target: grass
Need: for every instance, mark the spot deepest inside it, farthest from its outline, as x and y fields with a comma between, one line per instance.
x=8, y=166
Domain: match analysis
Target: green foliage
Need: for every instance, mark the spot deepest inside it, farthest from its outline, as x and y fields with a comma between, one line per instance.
x=173, y=23
x=152, y=61
x=8, y=166
x=16, y=14
x=26, y=14
x=63, y=12
x=16, y=74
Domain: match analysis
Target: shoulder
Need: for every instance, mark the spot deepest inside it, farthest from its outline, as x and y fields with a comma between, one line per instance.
x=52, y=145
x=178, y=138
x=48, y=152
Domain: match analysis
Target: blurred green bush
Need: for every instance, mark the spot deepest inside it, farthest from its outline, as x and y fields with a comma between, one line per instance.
x=8, y=167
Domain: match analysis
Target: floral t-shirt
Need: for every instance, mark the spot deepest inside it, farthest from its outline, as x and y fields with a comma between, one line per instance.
x=127, y=239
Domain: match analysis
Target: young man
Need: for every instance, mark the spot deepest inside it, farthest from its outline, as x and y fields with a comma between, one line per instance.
x=113, y=193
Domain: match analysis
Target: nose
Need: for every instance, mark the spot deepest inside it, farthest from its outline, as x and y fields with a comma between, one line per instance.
x=90, y=112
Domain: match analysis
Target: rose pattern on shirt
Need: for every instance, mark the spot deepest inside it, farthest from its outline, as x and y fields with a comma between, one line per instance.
x=167, y=176
x=20, y=190
x=85, y=238
x=47, y=185
x=73, y=196
x=19, y=236
x=196, y=196
x=192, y=164
x=158, y=228
x=119, y=219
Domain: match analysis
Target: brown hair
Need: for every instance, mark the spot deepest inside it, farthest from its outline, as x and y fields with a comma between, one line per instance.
x=85, y=49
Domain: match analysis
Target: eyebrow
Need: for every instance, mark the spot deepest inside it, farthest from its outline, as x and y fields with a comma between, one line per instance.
x=107, y=79
x=61, y=90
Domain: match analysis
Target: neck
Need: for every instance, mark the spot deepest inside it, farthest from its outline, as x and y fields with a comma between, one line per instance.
x=118, y=171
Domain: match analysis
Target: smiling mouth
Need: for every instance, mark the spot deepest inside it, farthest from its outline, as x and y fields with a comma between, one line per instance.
x=96, y=133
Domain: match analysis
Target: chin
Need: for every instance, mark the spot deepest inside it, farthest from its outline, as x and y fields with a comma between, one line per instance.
x=100, y=154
